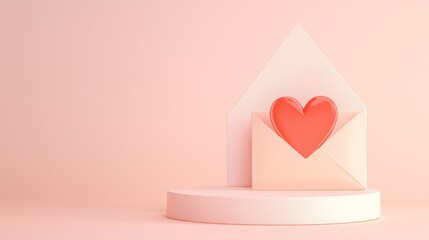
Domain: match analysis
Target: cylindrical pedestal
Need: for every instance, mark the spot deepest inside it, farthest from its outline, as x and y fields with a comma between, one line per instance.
x=241, y=205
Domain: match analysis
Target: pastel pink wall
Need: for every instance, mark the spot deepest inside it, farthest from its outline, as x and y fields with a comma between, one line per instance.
x=129, y=98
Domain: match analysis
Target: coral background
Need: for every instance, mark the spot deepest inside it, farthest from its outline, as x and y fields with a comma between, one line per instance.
x=125, y=99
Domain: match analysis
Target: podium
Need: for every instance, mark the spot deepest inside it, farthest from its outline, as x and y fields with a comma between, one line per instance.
x=242, y=205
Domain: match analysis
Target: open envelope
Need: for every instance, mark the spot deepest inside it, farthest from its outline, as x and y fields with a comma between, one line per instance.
x=298, y=69
x=340, y=163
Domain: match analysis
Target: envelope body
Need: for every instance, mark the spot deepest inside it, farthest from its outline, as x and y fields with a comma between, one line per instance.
x=339, y=164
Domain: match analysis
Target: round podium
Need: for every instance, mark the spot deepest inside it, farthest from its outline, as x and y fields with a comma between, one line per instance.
x=242, y=205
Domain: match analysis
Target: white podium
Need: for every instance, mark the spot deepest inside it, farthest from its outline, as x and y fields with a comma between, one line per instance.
x=241, y=205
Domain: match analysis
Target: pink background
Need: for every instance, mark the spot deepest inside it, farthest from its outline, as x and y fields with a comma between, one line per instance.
x=126, y=99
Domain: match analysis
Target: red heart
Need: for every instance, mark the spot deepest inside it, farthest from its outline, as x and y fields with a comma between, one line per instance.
x=304, y=129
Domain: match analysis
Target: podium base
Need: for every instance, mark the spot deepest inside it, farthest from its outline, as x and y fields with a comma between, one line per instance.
x=242, y=205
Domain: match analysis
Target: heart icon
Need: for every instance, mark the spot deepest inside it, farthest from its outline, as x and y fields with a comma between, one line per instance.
x=305, y=129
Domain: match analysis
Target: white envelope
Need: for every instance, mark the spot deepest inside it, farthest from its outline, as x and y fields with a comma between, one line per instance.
x=297, y=69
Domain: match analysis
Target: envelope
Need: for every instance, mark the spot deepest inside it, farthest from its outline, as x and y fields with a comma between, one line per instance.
x=339, y=164
x=298, y=69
